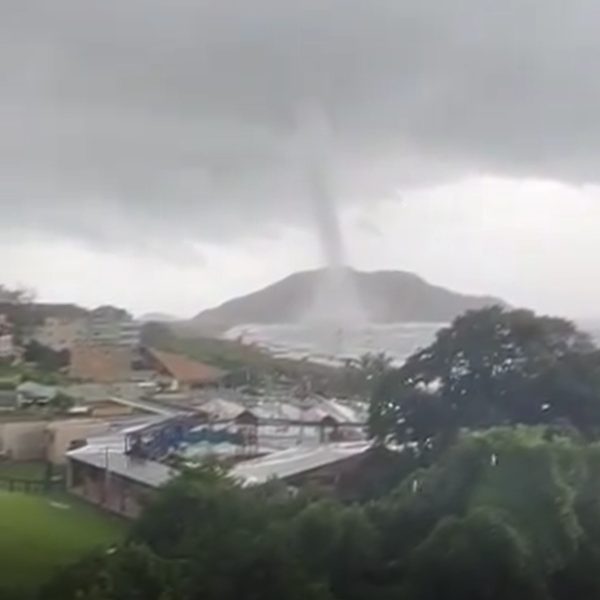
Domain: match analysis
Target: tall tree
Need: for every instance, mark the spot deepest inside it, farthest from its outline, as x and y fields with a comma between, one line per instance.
x=19, y=295
x=492, y=367
x=17, y=305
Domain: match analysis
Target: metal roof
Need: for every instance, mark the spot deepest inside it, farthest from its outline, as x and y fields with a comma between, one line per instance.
x=221, y=409
x=185, y=369
x=342, y=413
x=109, y=450
x=146, y=472
x=295, y=461
x=33, y=389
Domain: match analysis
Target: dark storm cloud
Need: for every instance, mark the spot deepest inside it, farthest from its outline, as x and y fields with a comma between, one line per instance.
x=155, y=117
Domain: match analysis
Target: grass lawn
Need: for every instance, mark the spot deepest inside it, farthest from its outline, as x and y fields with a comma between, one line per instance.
x=40, y=533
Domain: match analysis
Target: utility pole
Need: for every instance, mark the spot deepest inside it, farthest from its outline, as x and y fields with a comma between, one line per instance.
x=106, y=475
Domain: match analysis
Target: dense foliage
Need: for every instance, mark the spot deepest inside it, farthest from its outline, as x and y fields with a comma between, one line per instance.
x=361, y=375
x=46, y=359
x=492, y=367
x=510, y=513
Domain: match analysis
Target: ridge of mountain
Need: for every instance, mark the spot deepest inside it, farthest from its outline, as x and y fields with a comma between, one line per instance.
x=385, y=296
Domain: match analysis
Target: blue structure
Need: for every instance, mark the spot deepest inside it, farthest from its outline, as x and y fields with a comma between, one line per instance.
x=156, y=441
x=214, y=436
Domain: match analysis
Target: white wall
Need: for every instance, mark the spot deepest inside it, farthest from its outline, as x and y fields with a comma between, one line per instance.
x=60, y=434
x=23, y=440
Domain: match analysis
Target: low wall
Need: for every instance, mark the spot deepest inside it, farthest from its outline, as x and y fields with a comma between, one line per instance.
x=23, y=440
x=46, y=440
x=60, y=435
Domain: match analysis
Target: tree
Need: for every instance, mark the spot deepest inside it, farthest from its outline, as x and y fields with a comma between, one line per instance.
x=62, y=402
x=17, y=305
x=361, y=375
x=130, y=572
x=374, y=365
x=477, y=557
x=18, y=295
x=504, y=514
x=234, y=542
x=157, y=334
x=46, y=358
x=492, y=367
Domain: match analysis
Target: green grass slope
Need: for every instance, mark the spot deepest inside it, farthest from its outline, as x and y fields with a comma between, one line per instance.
x=39, y=534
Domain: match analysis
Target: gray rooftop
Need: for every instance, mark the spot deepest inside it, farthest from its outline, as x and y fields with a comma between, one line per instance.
x=146, y=472
x=294, y=461
x=109, y=451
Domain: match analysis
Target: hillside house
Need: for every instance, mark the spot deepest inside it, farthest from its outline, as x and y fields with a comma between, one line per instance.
x=178, y=372
x=8, y=348
x=100, y=364
x=112, y=326
x=30, y=393
x=60, y=333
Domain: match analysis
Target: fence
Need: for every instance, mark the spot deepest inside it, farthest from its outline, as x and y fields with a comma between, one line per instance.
x=42, y=485
x=10, y=484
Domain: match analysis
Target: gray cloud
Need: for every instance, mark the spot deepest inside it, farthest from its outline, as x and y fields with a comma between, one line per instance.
x=145, y=118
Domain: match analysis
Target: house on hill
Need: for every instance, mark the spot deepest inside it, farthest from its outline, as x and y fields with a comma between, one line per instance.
x=180, y=372
x=60, y=333
x=100, y=364
x=32, y=393
x=62, y=326
x=111, y=326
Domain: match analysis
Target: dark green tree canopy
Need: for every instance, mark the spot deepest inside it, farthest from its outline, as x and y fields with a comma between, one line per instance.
x=492, y=367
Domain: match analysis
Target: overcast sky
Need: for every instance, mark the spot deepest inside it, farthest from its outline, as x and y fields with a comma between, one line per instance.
x=149, y=148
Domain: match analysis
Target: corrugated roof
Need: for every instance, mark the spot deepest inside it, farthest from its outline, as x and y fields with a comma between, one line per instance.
x=109, y=449
x=33, y=389
x=146, y=472
x=112, y=445
x=279, y=411
x=295, y=461
x=315, y=413
x=221, y=409
x=342, y=413
x=187, y=370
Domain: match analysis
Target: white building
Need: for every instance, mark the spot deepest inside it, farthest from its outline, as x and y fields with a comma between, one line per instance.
x=7, y=347
x=112, y=327
x=60, y=333
x=104, y=326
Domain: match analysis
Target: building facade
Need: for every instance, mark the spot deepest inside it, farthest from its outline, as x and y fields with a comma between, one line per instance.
x=60, y=333
x=7, y=345
x=100, y=363
x=105, y=326
x=113, y=481
x=113, y=327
